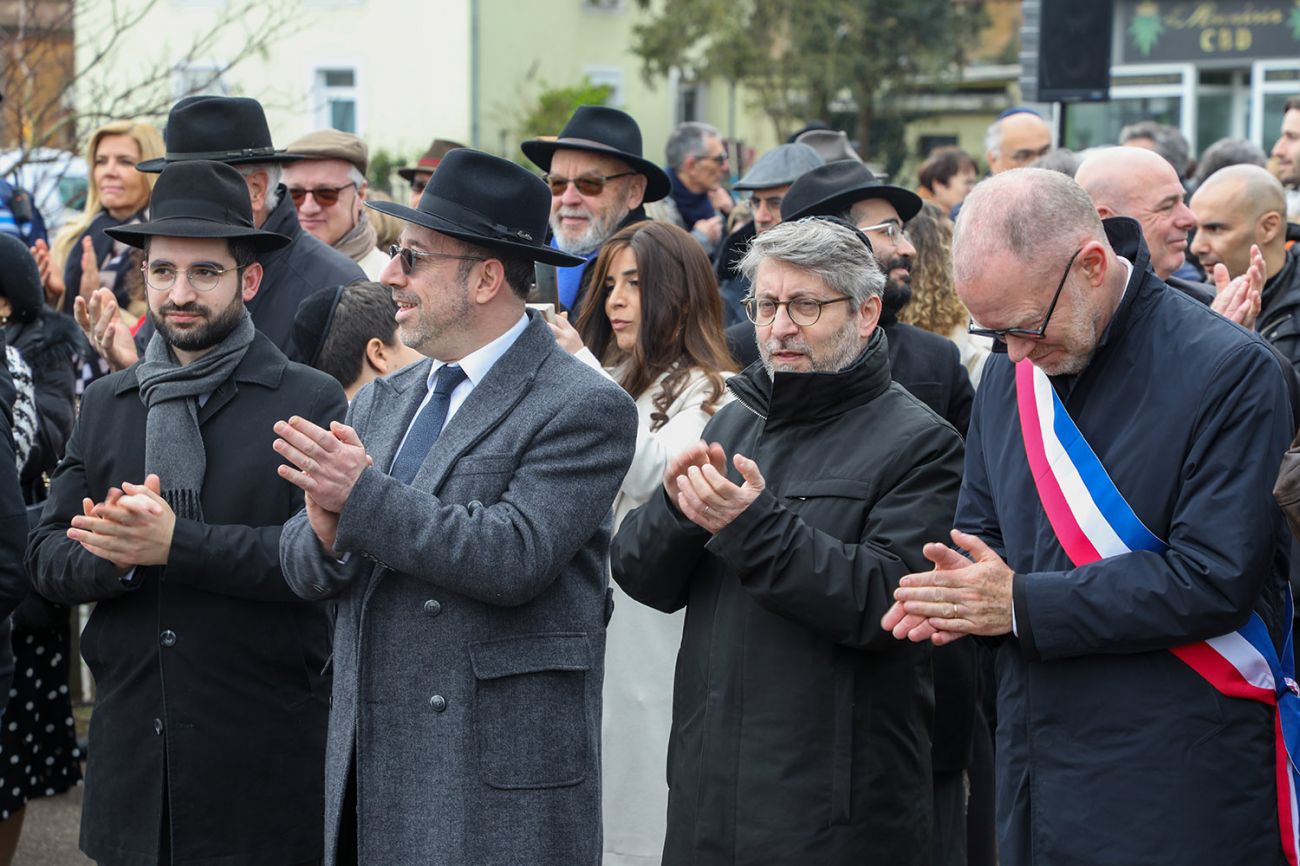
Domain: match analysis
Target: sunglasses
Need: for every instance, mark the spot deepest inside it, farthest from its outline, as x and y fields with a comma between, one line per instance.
x=587, y=184
x=408, y=257
x=418, y=185
x=324, y=195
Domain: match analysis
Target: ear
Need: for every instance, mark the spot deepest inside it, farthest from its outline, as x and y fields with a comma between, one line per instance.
x=868, y=316
x=6, y=308
x=1105, y=212
x=491, y=281
x=635, y=191
x=362, y=190
x=252, y=281
x=257, y=187
x=1092, y=261
x=376, y=357
x=1268, y=226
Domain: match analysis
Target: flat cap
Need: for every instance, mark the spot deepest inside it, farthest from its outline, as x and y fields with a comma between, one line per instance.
x=332, y=144
x=781, y=165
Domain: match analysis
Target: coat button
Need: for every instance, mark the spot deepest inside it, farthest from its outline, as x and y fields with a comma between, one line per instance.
x=438, y=702
x=157, y=726
x=168, y=638
x=432, y=607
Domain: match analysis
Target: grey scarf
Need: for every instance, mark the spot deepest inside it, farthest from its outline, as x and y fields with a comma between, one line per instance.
x=173, y=446
x=359, y=240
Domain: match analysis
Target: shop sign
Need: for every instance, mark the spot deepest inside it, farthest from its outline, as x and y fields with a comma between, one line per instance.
x=1157, y=31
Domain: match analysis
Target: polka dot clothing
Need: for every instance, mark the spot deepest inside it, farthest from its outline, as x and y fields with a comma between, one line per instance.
x=38, y=740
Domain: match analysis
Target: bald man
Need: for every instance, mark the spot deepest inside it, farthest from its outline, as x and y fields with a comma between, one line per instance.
x=1112, y=748
x=1015, y=141
x=1244, y=205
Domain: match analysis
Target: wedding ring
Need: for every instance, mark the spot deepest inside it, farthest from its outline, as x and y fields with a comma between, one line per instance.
x=953, y=613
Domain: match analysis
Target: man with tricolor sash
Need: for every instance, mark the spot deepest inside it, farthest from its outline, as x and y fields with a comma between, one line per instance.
x=1124, y=553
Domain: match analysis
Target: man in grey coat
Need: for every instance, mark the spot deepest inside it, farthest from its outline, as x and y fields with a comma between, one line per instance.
x=461, y=518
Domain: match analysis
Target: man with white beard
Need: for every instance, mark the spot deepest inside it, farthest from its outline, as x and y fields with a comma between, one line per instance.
x=598, y=180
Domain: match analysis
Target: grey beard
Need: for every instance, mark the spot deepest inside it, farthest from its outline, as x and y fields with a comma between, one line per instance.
x=598, y=231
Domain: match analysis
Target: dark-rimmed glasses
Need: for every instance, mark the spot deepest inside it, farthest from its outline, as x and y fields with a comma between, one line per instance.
x=161, y=276
x=324, y=195
x=1028, y=333
x=587, y=184
x=804, y=312
x=407, y=257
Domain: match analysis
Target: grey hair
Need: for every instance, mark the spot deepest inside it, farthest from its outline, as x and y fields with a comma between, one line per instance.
x=687, y=139
x=1035, y=214
x=274, y=177
x=355, y=176
x=834, y=253
x=1168, y=140
x=993, y=138
x=1060, y=159
x=1226, y=152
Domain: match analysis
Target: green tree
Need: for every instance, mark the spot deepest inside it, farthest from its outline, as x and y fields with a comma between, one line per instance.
x=554, y=105
x=804, y=59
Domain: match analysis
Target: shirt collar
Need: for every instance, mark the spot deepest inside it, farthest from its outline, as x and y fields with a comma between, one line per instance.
x=477, y=363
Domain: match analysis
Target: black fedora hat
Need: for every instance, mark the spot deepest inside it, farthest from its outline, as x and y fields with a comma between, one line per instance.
x=199, y=199
x=487, y=201
x=830, y=189
x=229, y=129
x=598, y=129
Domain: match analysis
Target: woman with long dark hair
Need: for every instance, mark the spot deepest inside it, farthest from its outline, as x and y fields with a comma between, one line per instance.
x=653, y=323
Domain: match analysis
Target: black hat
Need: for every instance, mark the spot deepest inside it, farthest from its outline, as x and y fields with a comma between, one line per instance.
x=598, y=129
x=832, y=188
x=488, y=201
x=229, y=129
x=199, y=199
x=20, y=281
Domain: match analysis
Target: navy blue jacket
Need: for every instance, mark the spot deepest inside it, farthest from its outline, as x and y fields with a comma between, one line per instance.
x=1110, y=749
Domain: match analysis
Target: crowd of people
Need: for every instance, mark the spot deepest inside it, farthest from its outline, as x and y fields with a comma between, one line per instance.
x=613, y=512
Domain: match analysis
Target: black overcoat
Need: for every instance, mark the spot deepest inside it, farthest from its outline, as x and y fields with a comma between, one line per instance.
x=801, y=728
x=210, y=669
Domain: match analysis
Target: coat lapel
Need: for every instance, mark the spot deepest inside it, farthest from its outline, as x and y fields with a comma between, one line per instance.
x=397, y=398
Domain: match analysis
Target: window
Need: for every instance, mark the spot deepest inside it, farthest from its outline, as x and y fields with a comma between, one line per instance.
x=690, y=101
x=336, y=98
x=192, y=78
x=612, y=77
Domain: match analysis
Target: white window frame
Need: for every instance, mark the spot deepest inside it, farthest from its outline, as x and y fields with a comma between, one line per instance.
x=180, y=86
x=611, y=75
x=1260, y=87
x=1185, y=89
x=321, y=94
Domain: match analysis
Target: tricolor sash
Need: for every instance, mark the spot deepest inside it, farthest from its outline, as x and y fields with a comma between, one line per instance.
x=1093, y=521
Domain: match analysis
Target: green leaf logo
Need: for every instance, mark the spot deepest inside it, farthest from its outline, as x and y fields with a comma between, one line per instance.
x=1145, y=28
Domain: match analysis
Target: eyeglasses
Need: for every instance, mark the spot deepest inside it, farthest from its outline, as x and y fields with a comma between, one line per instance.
x=587, y=184
x=161, y=276
x=324, y=195
x=407, y=256
x=802, y=311
x=1028, y=333
x=889, y=229
x=719, y=158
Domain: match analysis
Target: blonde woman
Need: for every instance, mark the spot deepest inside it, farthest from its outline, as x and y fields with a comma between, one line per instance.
x=83, y=258
x=935, y=306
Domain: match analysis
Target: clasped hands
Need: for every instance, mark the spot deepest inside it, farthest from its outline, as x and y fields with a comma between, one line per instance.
x=132, y=527
x=326, y=466
x=697, y=484
x=959, y=596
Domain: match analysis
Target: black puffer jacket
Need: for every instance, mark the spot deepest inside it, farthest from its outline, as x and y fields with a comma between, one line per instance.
x=1279, y=315
x=801, y=729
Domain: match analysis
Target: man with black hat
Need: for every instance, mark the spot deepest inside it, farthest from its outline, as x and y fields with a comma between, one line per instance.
x=418, y=175
x=599, y=181
x=233, y=130
x=462, y=518
x=926, y=364
x=763, y=186
x=166, y=511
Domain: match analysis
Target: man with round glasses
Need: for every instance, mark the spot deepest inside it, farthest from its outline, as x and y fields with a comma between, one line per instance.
x=599, y=181
x=209, y=731
x=799, y=734
x=328, y=187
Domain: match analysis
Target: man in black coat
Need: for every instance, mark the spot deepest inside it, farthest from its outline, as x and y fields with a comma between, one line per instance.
x=208, y=735
x=926, y=364
x=233, y=130
x=798, y=734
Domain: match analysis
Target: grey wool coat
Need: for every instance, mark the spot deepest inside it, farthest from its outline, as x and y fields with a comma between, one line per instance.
x=469, y=646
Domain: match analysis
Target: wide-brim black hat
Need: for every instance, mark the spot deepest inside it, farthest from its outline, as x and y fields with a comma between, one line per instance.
x=598, y=129
x=830, y=189
x=229, y=129
x=488, y=201
x=199, y=199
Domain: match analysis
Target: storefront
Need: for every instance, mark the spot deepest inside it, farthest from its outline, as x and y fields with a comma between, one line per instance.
x=1213, y=69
